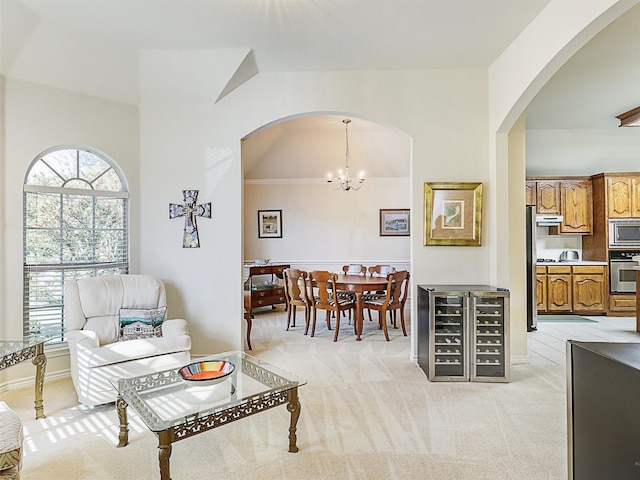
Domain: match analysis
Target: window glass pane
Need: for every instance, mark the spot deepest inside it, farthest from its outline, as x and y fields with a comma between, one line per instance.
x=45, y=301
x=42, y=210
x=109, y=212
x=91, y=166
x=77, y=211
x=42, y=247
x=109, y=182
x=64, y=230
x=41, y=174
x=110, y=246
x=64, y=162
x=77, y=246
x=77, y=183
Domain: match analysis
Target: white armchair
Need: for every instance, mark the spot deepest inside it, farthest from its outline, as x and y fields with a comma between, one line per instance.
x=92, y=319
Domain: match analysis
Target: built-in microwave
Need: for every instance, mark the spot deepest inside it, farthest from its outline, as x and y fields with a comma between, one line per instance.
x=624, y=233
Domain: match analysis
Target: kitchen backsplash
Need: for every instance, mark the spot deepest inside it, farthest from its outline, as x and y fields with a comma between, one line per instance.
x=551, y=246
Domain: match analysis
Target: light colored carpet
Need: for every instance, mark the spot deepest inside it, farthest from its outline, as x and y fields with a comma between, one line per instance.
x=367, y=413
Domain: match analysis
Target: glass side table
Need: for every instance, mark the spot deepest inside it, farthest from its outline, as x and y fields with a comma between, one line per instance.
x=17, y=350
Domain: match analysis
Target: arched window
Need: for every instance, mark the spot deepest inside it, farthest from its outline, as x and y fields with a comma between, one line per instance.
x=75, y=225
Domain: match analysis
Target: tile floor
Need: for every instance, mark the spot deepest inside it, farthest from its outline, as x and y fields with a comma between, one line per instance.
x=548, y=343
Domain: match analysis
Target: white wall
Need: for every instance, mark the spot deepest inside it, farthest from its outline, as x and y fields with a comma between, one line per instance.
x=323, y=225
x=197, y=146
x=582, y=152
x=37, y=118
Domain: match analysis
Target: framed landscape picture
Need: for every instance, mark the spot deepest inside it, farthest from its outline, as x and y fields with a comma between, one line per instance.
x=453, y=213
x=269, y=223
x=394, y=223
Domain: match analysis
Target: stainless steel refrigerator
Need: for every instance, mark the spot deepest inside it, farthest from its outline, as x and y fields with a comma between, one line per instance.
x=532, y=302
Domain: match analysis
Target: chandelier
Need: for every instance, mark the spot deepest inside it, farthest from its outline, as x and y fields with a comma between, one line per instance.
x=344, y=180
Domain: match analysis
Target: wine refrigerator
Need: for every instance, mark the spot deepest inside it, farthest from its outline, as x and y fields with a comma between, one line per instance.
x=463, y=333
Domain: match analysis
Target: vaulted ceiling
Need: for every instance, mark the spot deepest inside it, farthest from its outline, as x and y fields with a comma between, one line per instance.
x=94, y=47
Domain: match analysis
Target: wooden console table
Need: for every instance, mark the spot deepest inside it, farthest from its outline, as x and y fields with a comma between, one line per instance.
x=261, y=294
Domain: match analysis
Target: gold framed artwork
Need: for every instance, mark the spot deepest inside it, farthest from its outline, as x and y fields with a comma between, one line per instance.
x=453, y=213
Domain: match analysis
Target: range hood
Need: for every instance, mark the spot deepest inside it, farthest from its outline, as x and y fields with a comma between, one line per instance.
x=548, y=220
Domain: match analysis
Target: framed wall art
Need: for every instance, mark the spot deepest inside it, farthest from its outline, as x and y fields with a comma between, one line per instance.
x=453, y=214
x=394, y=223
x=269, y=223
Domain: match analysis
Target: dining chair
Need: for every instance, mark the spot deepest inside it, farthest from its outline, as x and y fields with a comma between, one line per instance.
x=327, y=299
x=351, y=269
x=354, y=269
x=379, y=271
x=297, y=292
x=393, y=300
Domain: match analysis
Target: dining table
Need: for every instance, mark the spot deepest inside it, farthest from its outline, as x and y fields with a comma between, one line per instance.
x=359, y=284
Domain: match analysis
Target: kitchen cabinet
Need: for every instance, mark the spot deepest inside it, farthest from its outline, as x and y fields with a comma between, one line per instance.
x=570, y=197
x=576, y=207
x=588, y=288
x=548, y=197
x=530, y=192
x=623, y=196
x=541, y=288
x=559, y=286
x=571, y=288
x=619, y=303
x=261, y=287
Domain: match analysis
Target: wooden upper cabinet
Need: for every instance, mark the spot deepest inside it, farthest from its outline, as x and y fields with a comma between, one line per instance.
x=635, y=197
x=530, y=192
x=618, y=197
x=576, y=201
x=623, y=196
x=548, y=197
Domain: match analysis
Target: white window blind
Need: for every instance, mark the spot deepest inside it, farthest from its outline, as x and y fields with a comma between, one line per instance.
x=75, y=225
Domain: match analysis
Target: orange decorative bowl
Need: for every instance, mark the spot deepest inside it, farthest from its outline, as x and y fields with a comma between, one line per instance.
x=209, y=372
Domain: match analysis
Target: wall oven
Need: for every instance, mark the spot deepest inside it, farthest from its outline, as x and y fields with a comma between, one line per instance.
x=622, y=275
x=624, y=233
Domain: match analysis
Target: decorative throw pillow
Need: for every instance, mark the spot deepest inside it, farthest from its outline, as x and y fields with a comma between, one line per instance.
x=141, y=323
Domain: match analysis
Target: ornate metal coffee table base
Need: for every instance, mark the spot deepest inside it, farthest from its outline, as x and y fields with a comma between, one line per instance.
x=209, y=422
x=14, y=352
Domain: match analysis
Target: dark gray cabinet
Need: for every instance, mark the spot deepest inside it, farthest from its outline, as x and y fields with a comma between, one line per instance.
x=603, y=395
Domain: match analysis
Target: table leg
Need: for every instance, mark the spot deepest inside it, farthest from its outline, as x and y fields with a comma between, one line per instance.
x=40, y=361
x=358, y=315
x=294, y=408
x=164, y=453
x=123, y=436
x=247, y=317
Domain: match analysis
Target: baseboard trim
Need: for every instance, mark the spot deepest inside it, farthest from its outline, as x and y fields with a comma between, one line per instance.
x=519, y=359
x=29, y=382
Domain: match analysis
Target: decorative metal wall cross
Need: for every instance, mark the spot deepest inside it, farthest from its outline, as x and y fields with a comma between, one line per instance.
x=190, y=210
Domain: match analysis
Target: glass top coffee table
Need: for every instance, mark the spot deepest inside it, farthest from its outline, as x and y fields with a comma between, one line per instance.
x=174, y=409
x=17, y=350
